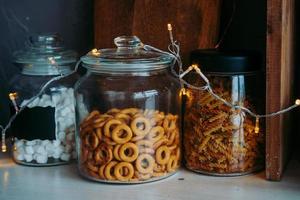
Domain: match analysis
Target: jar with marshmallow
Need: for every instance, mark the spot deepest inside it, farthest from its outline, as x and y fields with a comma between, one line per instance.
x=43, y=133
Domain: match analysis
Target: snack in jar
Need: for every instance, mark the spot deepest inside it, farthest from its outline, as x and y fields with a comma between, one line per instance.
x=128, y=123
x=219, y=139
x=44, y=132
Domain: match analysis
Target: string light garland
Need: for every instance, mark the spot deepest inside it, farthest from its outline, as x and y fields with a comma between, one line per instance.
x=174, y=49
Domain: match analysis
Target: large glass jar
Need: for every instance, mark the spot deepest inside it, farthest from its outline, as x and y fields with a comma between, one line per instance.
x=218, y=139
x=44, y=132
x=128, y=107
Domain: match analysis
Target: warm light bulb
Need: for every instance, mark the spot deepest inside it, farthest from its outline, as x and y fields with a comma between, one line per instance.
x=4, y=149
x=256, y=129
x=95, y=52
x=13, y=96
x=169, y=27
x=297, y=102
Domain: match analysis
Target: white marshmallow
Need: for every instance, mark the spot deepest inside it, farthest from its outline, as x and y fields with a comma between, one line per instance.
x=56, y=143
x=19, y=156
x=45, y=142
x=42, y=159
x=55, y=99
x=41, y=150
x=29, y=150
x=30, y=143
x=24, y=102
x=19, y=143
x=65, y=156
x=28, y=157
x=34, y=103
x=61, y=135
x=56, y=155
x=49, y=148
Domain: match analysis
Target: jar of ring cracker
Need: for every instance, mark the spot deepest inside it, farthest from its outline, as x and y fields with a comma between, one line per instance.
x=128, y=124
x=44, y=132
x=218, y=139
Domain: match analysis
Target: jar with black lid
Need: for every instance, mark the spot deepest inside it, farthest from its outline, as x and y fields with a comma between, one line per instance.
x=44, y=132
x=128, y=114
x=218, y=139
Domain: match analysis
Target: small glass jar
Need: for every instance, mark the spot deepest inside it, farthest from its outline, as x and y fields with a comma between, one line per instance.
x=44, y=132
x=220, y=140
x=128, y=107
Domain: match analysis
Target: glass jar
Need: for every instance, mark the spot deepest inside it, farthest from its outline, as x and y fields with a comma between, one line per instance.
x=220, y=140
x=128, y=107
x=44, y=132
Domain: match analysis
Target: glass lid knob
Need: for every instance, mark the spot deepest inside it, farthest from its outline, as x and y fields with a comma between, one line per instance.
x=128, y=42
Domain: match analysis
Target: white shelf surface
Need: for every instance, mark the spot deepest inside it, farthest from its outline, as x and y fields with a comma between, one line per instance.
x=63, y=182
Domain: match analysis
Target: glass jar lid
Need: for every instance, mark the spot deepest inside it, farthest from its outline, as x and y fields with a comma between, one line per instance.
x=45, y=55
x=129, y=56
x=227, y=61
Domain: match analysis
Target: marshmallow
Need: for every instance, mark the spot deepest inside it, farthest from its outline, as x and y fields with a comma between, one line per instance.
x=19, y=143
x=61, y=135
x=29, y=150
x=45, y=142
x=65, y=156
x=28, y=157
x=30, y=143
x=42, y=159
x=19, y=156
x=56, y=155
x=41, y=150
x=56, y=143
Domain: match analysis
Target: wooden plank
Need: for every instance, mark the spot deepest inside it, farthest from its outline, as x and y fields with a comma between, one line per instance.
x=280, y=23
x=112, y=18
x=196, y=23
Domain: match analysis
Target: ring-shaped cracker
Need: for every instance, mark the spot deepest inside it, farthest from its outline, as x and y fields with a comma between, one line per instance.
x=124, y=171
x=142, y=160
x=91, y=141
x=135, y=126
x=156, y=133
x=169, y=123
x=172, y=164
x=125, y=148
x=130, y=111
x=101, y=171
x=162, y=155
x=160, y=142
x=116, y=152
x=91, y=166
x=108, y=124
x=120, y=138
x=109, y=170
x=123, y=117
x=103, y=154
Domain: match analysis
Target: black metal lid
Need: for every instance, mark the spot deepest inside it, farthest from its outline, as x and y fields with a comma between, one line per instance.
x=227, y=62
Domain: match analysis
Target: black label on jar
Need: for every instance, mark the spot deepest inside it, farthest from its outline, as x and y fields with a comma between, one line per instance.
x=35, y=123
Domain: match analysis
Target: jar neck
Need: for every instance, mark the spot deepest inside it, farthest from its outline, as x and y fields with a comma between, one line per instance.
x=40, y=69
x=132, y=73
